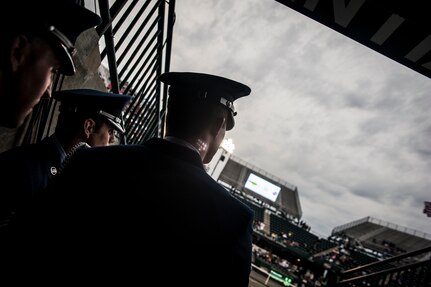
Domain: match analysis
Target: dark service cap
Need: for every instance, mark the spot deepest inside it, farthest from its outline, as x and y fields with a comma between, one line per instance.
x=207, y=87
x=60, y=21
x=107, y=105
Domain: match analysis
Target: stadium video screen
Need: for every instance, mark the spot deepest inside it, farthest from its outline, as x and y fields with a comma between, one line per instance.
x=262, y=187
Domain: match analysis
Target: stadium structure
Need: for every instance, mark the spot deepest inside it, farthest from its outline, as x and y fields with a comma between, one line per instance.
x=285, y=248
x=381, y=238
x=249, y=180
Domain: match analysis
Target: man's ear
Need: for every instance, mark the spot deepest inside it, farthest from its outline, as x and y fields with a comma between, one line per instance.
x=18, y=51
x=89, y=127
x=218, y=124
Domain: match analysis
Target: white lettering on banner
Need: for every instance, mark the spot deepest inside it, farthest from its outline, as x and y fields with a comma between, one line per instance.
x=344, y=14
x=311, y=4
x=345, y=11
x=387, y=29
x=421, y=50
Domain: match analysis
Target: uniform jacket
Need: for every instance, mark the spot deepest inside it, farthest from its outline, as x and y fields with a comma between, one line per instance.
x=148, y=210
x=24, y=172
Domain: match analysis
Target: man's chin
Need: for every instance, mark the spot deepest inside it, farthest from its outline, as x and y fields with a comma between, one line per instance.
x=11, y=122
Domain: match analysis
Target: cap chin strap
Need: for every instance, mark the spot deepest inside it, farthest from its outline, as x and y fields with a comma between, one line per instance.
x=115, y=121
x=63, y=39
x=109, y=116
x=229, y=105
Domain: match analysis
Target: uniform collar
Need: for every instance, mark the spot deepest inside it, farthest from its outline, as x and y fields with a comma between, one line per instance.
x=181, y=142
x=176, y=150
x=59, y=147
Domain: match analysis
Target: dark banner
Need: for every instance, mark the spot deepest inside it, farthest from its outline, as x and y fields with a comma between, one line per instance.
x=400, y=30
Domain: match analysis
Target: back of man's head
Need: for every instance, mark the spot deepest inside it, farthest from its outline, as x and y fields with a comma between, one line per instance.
x=191, y=117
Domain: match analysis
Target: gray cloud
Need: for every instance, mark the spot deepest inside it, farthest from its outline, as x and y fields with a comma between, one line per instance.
x=349, y=127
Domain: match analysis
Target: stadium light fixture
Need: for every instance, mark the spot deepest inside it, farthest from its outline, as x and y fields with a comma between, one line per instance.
x=227, y=145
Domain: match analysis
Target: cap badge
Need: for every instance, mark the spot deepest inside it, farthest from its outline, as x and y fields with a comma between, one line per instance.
x=53, y=170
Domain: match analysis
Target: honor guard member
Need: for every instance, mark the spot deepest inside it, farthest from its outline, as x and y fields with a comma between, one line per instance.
x=159, y=206
x=37, y=40
x=87, y=118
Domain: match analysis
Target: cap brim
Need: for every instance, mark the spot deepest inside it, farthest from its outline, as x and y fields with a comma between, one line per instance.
x=230, y=121
x=87, y=17
x=215, y=85
x=117, y=126
x=68, y=33
x=74, y=20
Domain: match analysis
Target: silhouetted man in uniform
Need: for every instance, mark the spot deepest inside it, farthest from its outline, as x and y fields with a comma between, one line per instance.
x=160, y=216
x=87, y=118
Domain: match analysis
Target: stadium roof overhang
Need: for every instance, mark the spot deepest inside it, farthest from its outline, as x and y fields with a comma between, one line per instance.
x=400, y=30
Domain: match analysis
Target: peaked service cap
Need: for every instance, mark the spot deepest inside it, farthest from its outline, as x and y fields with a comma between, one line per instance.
x=108, y=105
x=206, y=87
x=59, y=21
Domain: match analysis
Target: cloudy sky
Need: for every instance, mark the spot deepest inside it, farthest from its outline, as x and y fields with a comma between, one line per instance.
x=346, y=125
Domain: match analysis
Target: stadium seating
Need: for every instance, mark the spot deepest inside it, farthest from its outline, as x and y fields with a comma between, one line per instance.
x=294, y=233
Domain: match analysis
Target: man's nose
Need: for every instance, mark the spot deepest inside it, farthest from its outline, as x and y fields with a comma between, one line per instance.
x=48, y=93
x=112, y=139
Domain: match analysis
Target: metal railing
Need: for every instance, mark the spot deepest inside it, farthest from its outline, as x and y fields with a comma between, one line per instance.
x=402, y=270
x=138, y=48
